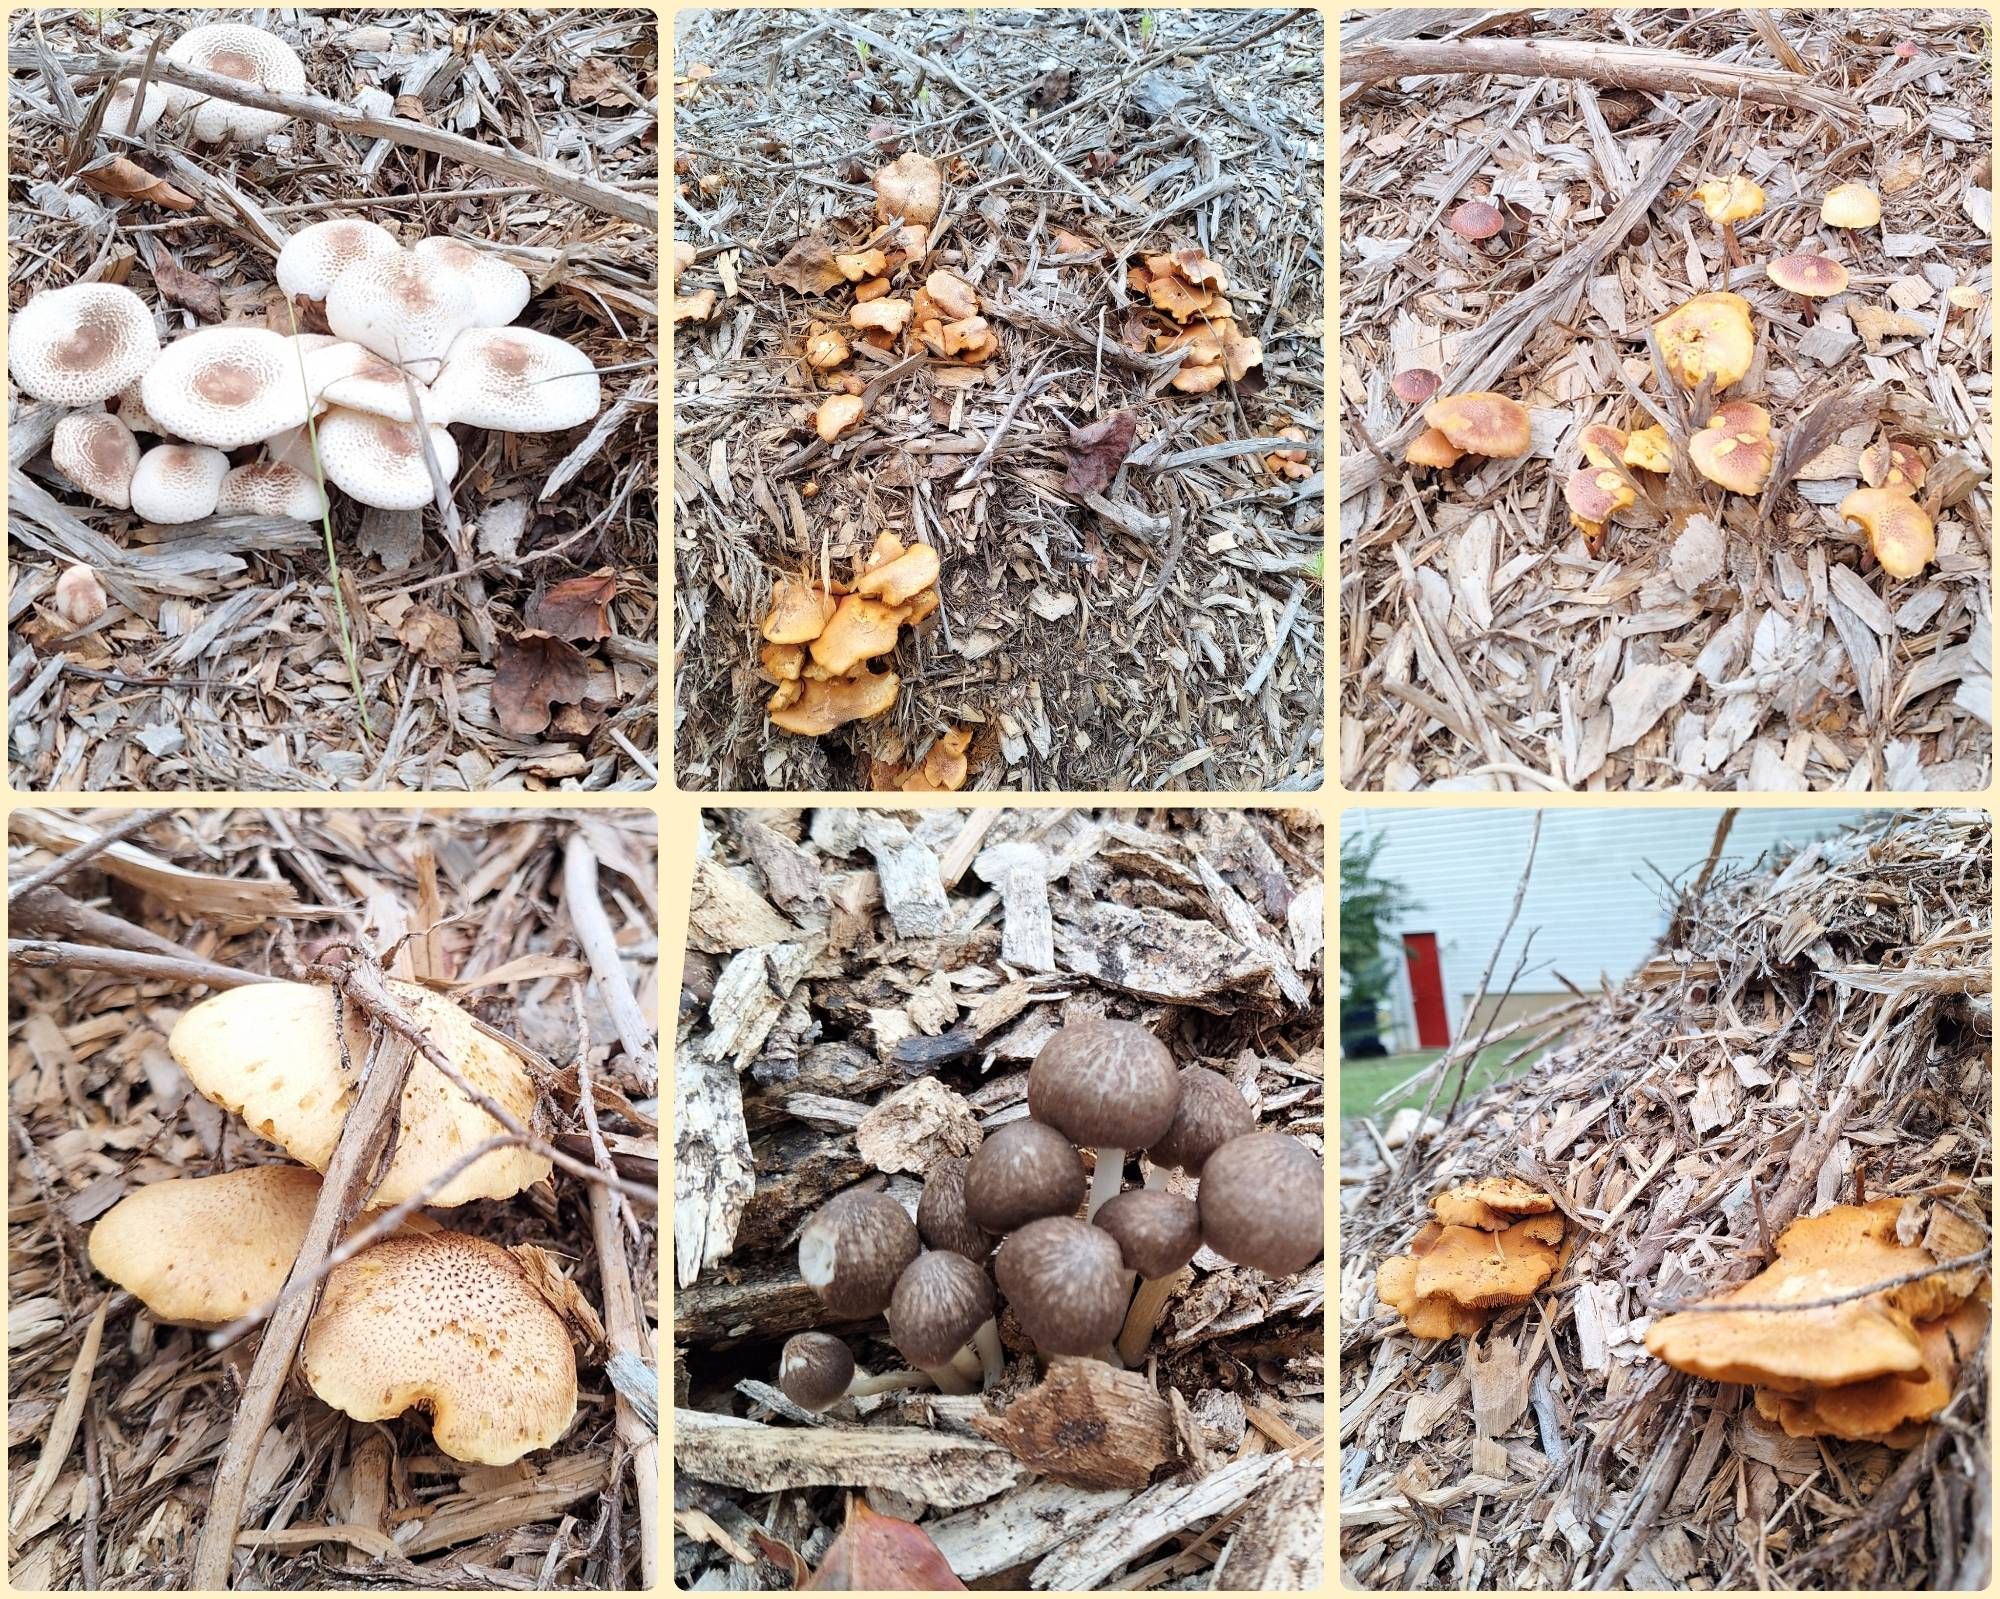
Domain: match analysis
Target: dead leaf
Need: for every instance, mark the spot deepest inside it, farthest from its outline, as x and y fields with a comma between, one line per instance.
x=1097, y=451
x=597, y=82
x=535, y=672
x=807, y=268
x=202, y=296
x=1053, y=88
x=877, y=1551
x=430, y=634
x=125, y=179
x=578, y=608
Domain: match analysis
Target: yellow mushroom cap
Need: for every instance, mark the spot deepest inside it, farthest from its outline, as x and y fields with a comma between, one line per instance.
x=1851, y=205
x=1432, y=448
x=1742, y=416
x=903, y=575
x=824, y=703
x=1481, y=1269
x=1491, y=1203
x=1892, y=465
x=1593, y=494
x=1396, y=1287
x=798, y=613
x=1649, y=449
x=451, y=1325
x=1482, y=423
x=860, y=629
x=1814, y=276
x=1730, y=199
x=1877, y=1411
x=1899, y=533
x=1708, y=337
x=1739, y=462
x=1603, y=446
x=267, y=1051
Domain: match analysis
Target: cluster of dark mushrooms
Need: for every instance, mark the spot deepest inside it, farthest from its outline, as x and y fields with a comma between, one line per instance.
x=1084, y=1279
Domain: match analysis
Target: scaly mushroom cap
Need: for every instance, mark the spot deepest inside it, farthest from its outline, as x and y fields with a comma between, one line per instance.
x=80, y=345
x=403, y=307
x=176, y=483
x=314, y=258
x=1893, y=465
x=1742, y=416
x=1731, y=199
x=940, y=1301
x=1491, y=1204
x=1649, y=450
x=943, y=1220
x=1262, y=1203
x=1593, y=494
x=859, y=630
x=1482, y=424
x=1899, y=532
x=1709, y=336
x=1104, y=1084
x=448, y=1324
x=1157, y=1231
x=97, y=452
x=355, y=378
x=1025, y=1170
x=1739, y=462
x=1850, y=205
x=226, y=387
x=1814, y=276
x=854, y=1249
x=1483, y=1270
x=1603, y=446
x=1396, y=1287
x=516, y=381
x=798, y=613
x=118, y=109
x=79, y=597
x=1415, y=384
x=1476, y=219
x=1210, y=1111
x=268, y=1052
x=270, y=488
x=1431, y=448
x=814, y=1369
x=896, y=581
x=910, y=187
x=500, y=290
x=1065, y=1282
x=1878, y=1411
x=823, y=704
x=380, y=462
x=250, y=55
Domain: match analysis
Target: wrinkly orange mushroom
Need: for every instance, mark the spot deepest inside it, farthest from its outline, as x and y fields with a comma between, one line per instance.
x=825, y=349
x=798, y=613
x=1438, y=1317
x=1899, y=532
x=1490, y=1204
x=943, y=769
x=1886, y=1409
x=860, y=629
x=825, y=703
x=1177, y=297
x=899, y=578
x=1431, y=448
x=1240, y=352
x=1192, y=379
x=1293, y=464
x=1708, y=337
x=1893, y=465
x=954, y=297
x=862, y=264
x=837, y=414
x=1649, y=449
x=1485, y=1270
x=1482, y=423
x=887, y=315
x=1739, y=462
x=781, y=662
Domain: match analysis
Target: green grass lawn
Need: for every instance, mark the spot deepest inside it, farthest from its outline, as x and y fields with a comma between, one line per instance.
x=1363, y=1081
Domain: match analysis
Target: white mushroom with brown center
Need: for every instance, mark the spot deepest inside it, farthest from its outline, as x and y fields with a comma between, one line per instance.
x=314, y=258
x=355, y=378
x=517, y=381
x=226, y=387
x=404, y=308
x=252, y=56
x=80, y=345
x=499, y=288
x=97, y=452
x=270, y=488
x=176, y=483
x=380, y=462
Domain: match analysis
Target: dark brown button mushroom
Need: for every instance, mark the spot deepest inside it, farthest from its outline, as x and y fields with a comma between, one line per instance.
x=942, y=1305
x=1262, y=1203
x=1109, y=1086
x=941, y=1215
x=852, y=1252
x=1211, y=1111
x=1065, y=1280
x=816, y=1370
x=1157, y=1234
x=1024, y=1171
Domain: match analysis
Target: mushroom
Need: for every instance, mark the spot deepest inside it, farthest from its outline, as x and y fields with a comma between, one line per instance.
x=884, y=315
x=1491, y=1204
x=314, y=258
x=381, y=462
x=355, y=378
x=1292, y=464
x=837, y=414
x=1209, y=1112
x=1594, y=494
x=1809, y=277
x=1729, y=201
x=254, y=56
x=1482, y=423
x=406, y=309
x=899, y=579
x=96, y=452
x=854, y=1249
x=862, y=264
x=825, y=348
x=1106, y=1085
x=1262, y=1203
x=1436, y=1317
x=822, y=704
x=1476, y=220
x=816, y=1371
x=1899, y=532
x=1157, y=1235
x=909, y=189
x=176, y=483
x=271, y=488
x=943, y=1221
x=1848, y=206
x=1739, y=461
x=500, y=290
x=1649, y=449
x=452, y=1325
x=515, y=380
x=1431, y=448
x=269, y=1052
x=1886, y=1409
x=798, y=613
x=1603, y=446
x=860, y=629
x=944, y=767
x=1890, y=464
x=940, y=1314
x=79, y=596
x=80, y=345
x=1709, y=337
x=1453, y=1275
x=1415, y=384
x=1065, y=1281
x=226, y=387
x=1025, y=1170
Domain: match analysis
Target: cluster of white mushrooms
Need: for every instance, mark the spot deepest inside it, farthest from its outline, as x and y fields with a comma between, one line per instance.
x=420, y=341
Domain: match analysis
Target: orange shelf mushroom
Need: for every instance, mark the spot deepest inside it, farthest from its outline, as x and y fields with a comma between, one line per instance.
x=1494, y=1243
x=818, y=640
x=1185, y=289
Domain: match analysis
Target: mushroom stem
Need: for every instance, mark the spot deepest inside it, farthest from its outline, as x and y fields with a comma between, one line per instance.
x=1732, y=253
x=1144, y=1316
x=966, y=1362
x=991, y=1361
x=1811, y=316
x=1110, y=1356
x=948, y=1380
x=885, y=1382
x=1156, y=1175
x=1107, y=1179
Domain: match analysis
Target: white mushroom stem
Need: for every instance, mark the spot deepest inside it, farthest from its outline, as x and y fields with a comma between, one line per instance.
x=966, y=1362
x=1107, y=1179
x=991, y=1361
x=1144, y=1316
x=948, y=1380
x=1156, y=1175
x=1109, y=1355
x=885, y=1382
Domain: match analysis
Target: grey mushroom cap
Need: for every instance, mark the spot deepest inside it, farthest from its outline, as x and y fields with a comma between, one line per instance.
x=1157, y=1231
x=1065, y=1280
x=1263, y=1203
x=941, y=1300
x=814, y=1369
x=1209, y=1113
x=1105, y=1084
x=852, y=1252
x=942, y=1219
x=1024, y=1171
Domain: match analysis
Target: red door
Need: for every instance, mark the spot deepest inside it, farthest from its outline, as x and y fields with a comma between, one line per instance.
x=1420, y=954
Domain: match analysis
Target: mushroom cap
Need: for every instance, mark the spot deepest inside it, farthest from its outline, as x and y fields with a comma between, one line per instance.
x=1476, y=219
x=956, y=298
x=943, y=1222
x=500, y=290
x=355, y=378
x=1730, y=199
x=226, y=387
x=1210, y=1111
x=268, y=1052
x=1482, y=423
x=1105, y=1084
x=118, y=109
x=314, y=258
x=1814, y=276
x=449, y=1324
x=1741, y=416
x=1890, y=464
x=1708, y=337
x=1603, y=446
x=1481, y=1270
x=1023, y=1171
x=1593, y=494
x=895, y=582
x=79, y=596
x=1649, y=450
x=826, y=703
x=799, y=612
x=1263, y=1203
x=1157, y=1231
x=516, y=381
x=1065, y=1281
x=910, y=187
x=1739, y=462
x=1415, y=384
x=1873, y=1411
x=380, y=462
x=98, y=453
x=1432, y=448
x=178, y=482
x=854, y=1249
x=1438, y=1317
x=859, y=630
x=250, y=55
x=1490, y=1204
x=1850, y=205
x=1836, y=1235
x=837, y=414
x=403, y=307
x=814, y=1369
x=1899, y=532
x=80, y=345
x=270, y=488
x=940, y=1301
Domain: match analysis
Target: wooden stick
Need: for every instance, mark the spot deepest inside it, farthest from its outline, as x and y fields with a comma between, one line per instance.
x=600, y=947
x=63, y=865
x=55, y=955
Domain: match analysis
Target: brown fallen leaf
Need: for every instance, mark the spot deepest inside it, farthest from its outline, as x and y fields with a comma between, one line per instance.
x=807, y=268
x=125, y=179
x=597, y=82
x=534, y=673
x=1097, y=451
x=578, y=608
x=880, y=1552
x=431, y=635
x=181, y=287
